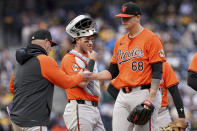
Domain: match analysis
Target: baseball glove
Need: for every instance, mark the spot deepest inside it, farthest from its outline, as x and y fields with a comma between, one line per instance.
x=175, y=126
x=141, y=115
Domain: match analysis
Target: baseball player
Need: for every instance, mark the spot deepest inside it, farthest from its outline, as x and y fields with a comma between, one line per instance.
x=169, y=83
x=81, y=112
x=135, y=65
x=192, y=73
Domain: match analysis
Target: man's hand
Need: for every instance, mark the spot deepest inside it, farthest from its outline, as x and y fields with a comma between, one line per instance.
x=87, y=76
x=92, y=55
x=181, y=120
x=178, y=125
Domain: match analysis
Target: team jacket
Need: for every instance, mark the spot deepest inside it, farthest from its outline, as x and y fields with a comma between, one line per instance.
x=169, y=79
x=134, y=58
x=71, y=65
x=33, y=84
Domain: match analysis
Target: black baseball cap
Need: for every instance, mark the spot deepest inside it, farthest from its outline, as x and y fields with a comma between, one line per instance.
x=129, y=9
x=42, y=35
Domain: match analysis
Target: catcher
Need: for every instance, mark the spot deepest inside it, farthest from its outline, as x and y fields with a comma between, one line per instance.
x=81, y=112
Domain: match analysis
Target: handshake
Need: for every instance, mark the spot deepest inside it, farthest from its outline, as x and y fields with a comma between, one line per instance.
x=87, y=75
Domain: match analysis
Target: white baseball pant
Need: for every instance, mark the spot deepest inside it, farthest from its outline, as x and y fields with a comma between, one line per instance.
x=82, y=117
x=126, y=102
x=35, y=128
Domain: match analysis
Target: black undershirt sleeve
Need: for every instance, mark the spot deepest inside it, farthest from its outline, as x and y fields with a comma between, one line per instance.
x=112, y=91
x=157, y=70
x=113, y=69
x=178, y=102
x=192, y=80
x=90, y=65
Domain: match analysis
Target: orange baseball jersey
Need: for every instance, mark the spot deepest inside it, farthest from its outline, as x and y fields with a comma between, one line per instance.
x=193, y=64
x=70, y=67
x=134, y=58
x=168, y=80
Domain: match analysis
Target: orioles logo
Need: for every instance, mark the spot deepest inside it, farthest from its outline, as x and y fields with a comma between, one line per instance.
x=161, y=53
x=123, y=9
x=75, y=67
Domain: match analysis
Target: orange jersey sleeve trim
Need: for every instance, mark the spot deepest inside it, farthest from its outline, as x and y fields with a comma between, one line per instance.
x=193, y=64
x=11, y=84
x=55, y=75
x=173, y=85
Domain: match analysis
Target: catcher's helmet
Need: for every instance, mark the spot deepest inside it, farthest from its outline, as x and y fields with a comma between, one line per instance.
x=82, y=25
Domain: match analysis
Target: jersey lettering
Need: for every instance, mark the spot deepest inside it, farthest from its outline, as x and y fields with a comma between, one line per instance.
x=124, y=56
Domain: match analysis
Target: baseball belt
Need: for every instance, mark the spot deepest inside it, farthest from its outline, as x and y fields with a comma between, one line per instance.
x=137, y=88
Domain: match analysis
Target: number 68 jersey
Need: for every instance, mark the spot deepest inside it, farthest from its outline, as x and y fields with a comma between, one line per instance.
x=134, y=58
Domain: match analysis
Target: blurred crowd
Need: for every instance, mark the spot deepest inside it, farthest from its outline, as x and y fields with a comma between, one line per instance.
x=175, y=21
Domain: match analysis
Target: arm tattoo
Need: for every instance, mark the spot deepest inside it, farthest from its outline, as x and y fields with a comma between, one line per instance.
x=154, y=87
